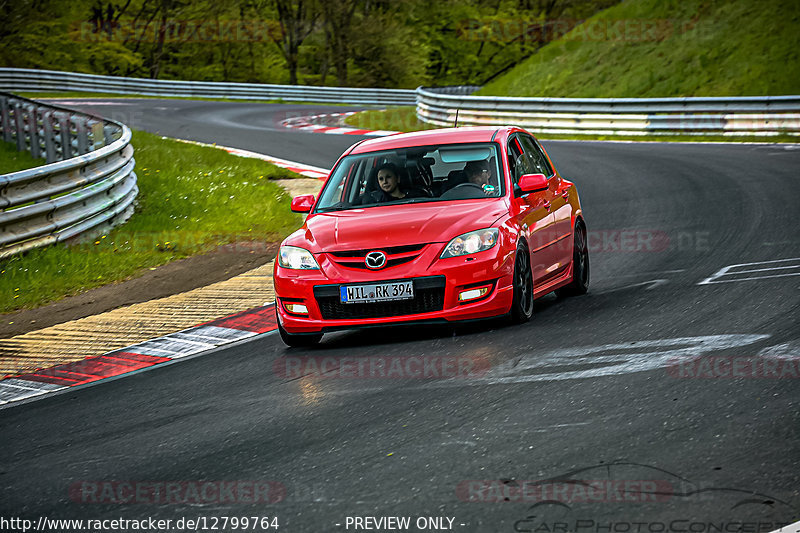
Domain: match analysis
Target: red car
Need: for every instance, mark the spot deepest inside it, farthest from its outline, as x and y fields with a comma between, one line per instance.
x=434, y=226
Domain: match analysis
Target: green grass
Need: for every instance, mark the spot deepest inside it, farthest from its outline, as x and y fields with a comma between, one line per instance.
x=13, y=161
x=191, y=200
x=652, y=48
x=403, y=118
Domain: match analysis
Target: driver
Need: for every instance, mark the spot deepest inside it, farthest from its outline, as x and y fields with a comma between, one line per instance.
x=478, y=173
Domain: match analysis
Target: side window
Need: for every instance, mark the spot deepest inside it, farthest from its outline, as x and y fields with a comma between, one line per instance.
x=517, y=160
x=535, y=156
x=512, y=167
x=351, y=178
x=353, y=184
x=545, y=161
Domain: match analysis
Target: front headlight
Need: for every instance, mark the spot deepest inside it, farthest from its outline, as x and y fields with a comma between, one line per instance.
x=296, y=258
x=471, y=243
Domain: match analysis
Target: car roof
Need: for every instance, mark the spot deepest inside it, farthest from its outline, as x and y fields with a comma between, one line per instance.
x=424, y=138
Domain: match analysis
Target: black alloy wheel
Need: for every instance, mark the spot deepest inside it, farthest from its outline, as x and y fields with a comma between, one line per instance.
x=522, y=304
x=580, y=264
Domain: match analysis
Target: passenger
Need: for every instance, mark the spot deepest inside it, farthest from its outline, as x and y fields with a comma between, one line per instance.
x=478, y=174
x=388, y=186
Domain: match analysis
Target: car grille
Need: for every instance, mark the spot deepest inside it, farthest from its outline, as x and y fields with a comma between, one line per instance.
x=395, y=255
x=428, y=297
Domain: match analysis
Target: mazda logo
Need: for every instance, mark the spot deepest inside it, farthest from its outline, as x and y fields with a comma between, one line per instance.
x=375, y=260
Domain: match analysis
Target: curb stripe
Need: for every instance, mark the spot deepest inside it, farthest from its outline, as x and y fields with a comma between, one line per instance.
x=321, y=124
x=161, y=350
x=14, y=389
x=92, y=369
x=259, y=320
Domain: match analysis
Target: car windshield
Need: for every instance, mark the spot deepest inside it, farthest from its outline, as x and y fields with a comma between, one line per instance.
x=412, y=175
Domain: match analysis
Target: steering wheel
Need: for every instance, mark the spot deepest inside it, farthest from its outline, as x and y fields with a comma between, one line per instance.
x=467, y=191
x=468, y=184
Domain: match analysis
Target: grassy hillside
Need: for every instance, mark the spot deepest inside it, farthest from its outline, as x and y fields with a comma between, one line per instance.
x=649, y=48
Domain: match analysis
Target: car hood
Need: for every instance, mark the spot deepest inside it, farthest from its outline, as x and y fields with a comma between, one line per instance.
x=376, y=227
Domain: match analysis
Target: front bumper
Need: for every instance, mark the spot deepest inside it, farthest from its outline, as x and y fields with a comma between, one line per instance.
x=437, y=284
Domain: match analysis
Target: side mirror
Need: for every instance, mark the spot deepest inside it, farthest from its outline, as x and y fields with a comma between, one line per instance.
x=303, y=203
x=533, y=183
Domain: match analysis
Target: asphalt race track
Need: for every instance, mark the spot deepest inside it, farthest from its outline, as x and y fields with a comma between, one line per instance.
x=602, y=413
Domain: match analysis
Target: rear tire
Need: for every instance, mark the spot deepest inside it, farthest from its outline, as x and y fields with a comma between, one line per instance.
x=522, y=303
x=299, y=340
x=580, y=265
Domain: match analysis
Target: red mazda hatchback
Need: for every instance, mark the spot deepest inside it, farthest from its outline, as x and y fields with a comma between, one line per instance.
x=435, y=226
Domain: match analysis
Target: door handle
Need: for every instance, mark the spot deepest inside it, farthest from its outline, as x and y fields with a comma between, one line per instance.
x=565, y=194
x=547, y=205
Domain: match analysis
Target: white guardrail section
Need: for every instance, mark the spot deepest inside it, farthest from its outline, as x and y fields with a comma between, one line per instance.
x=17, y=79
x=746, y=115
x=88, y=183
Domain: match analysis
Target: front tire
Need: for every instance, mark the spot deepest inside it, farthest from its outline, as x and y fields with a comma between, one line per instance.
x=522, y=304
x=580, y=265
x=299, y=340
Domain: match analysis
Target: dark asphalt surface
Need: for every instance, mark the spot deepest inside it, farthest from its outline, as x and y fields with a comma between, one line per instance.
x=253, y=127
x=581, y=394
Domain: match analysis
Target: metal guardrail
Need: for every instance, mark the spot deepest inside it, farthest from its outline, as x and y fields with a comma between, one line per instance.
x=16, y=79
x=747, y=115
x=88, y=183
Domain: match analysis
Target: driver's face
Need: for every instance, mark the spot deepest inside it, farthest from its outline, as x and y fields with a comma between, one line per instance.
x=480, y=177
x=387, y=180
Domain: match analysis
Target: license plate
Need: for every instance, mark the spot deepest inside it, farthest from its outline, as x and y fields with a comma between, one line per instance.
x=377, y=292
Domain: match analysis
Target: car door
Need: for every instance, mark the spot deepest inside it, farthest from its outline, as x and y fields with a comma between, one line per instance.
x=560, y=207
x=534, y=215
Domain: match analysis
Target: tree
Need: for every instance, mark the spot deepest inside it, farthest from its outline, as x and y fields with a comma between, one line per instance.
x=386, y=48
x=338, y=25
x=297, y=19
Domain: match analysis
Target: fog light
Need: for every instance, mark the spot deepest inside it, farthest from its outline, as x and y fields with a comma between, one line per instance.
x=298, y=309
x=472, y=294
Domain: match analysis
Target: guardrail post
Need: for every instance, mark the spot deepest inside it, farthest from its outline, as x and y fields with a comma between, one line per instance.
x=49, y=137
x=19, y=119
x=66, y=140
x=82, y=131
x=33, y=131
x=108, y=134
x=5, y=117
x=98, y=135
